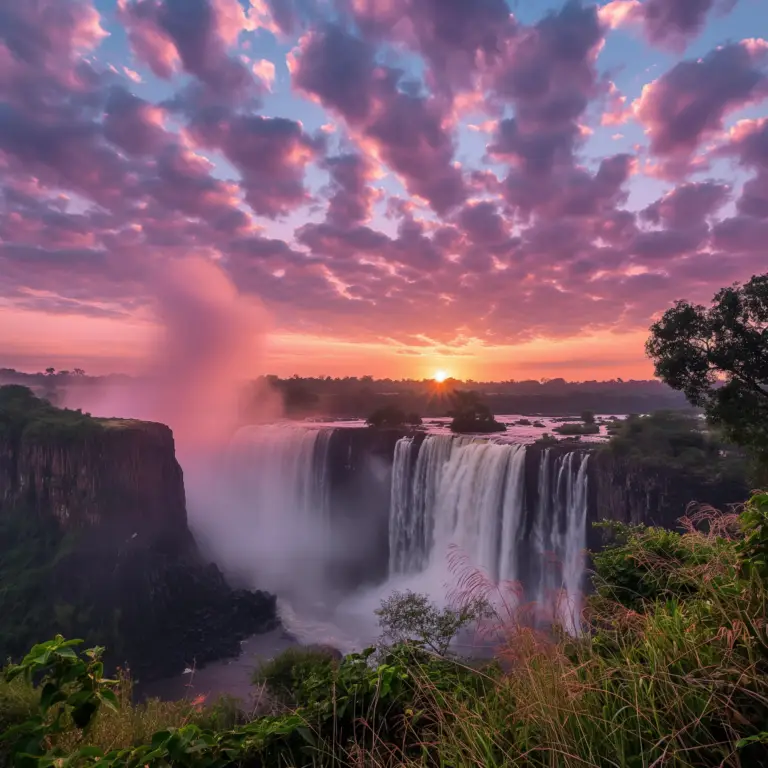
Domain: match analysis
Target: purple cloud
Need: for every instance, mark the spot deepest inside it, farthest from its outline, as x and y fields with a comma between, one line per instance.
x=688, y=104
x=407, y=131
x=688, y=205
x=193, y=34
x=271, y=153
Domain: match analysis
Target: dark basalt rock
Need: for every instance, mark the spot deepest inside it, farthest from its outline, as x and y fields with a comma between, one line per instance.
x=94, y=543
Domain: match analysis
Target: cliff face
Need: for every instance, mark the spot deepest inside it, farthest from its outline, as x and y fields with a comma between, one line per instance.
x=632, y=492
x=94, y=543
x=119, y=476
x=360, y=475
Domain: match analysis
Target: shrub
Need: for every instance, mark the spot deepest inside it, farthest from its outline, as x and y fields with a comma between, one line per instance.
x=286, y=674
x=392, y=416
x=408, y=617
x=19, y=701
x=576, y=428
x=753, y=549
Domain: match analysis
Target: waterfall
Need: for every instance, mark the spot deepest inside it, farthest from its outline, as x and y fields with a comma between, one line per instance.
x=272, y=521
x=515, y=512
x=285, y=467
x=514, y=500
x=462, y=492
x=470, y=493
x=402, y=514
x=559, y=533
x=470, y=501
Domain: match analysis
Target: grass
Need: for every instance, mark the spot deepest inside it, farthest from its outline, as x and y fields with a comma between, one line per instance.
x=131, y=724
x=672, y=672
x=670, y=669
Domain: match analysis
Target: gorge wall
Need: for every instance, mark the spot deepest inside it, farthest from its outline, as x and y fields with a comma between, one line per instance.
x=385, y=504
x=94, y=543
x=635, y=492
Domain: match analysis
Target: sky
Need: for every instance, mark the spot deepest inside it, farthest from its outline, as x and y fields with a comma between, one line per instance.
x=493, y=189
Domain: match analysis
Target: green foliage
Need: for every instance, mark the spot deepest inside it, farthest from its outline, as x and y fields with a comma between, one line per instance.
x=470, y=414
x=286, y=674
x=33, y=546
x=71, y=686
x=588, y=417
x=575, y=428
x=409, y=617
x=392, y=416
x=680, y=443
x=24, y=416
x=19, y=702
x=718, y=357
x=647, y=565
x=753, y=548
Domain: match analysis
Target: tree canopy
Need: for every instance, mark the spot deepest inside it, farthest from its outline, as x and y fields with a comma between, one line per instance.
x=392, y=416
x=718, y=357
x=471, y=414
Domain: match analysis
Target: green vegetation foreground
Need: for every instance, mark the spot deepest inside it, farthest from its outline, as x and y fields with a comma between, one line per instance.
x=670, y=670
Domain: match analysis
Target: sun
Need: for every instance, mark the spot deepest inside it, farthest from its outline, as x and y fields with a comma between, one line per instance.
x=440, y=376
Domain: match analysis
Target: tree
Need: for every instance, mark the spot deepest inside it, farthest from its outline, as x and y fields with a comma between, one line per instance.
x=588, y=417
x=392, y=416
x=470, y=414
x=718, y=357
x=412, y=617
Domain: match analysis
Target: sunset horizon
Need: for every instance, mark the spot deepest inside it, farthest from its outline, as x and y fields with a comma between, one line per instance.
x=498, y=192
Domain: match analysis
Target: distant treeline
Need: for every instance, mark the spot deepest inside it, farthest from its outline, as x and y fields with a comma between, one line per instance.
x=358, y=397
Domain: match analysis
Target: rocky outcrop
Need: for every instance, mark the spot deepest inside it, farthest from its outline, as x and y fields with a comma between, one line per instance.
x=360, y=475
x=94, y=543
x=120, y=476
x=633, y=492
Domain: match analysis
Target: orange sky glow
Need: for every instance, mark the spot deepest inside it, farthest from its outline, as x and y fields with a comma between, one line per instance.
x=35, y=340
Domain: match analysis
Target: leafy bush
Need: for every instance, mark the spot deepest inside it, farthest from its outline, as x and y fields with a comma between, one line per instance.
x=392, y=416
x=286, y=674
x=575, y=428
x=647, y=565
x=753, y=549
x=671, y=669
x=19, y=701
x=408, y=617
x=471, y=414
x=677, y=442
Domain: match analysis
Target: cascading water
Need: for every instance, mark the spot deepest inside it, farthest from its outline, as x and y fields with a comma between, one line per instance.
x=302, y=504
x=470, y=494
x=414, y=499
x=285, y=467
x=472, y=504
x=273, y=521
x=401, y=516
x=560, y=535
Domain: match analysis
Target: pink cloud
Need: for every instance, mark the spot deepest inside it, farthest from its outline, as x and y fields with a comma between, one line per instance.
x=617, y=111
x=265, y=70
x=406, y=132
x=687, y=105
x=270, y=153
x=193, y=34
x=666, y=23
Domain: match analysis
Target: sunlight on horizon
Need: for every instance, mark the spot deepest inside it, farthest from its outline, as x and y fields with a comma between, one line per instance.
x=440, y=376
